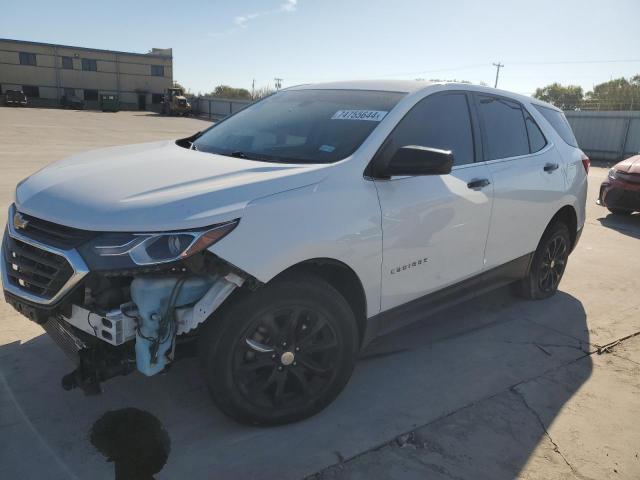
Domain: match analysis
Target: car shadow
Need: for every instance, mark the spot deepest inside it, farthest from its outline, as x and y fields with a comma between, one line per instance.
x=408, y=378
x=625, y=224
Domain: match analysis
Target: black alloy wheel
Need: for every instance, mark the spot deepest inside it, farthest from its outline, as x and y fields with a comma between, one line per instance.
x=286, y=357
x=548, y=264
x=281, y=353
x=553, y=264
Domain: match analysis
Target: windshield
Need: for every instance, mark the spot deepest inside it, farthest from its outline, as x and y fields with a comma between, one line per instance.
x=301, y=126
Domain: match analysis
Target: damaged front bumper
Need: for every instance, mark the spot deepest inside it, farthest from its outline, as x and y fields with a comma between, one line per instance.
x=112, y=322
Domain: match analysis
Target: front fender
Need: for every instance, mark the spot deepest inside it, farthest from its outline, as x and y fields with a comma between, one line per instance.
x=335, y=219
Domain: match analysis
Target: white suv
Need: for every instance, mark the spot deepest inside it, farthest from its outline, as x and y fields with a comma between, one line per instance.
x=280, y=241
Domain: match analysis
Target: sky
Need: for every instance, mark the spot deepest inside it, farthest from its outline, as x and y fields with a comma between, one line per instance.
x=305, y=41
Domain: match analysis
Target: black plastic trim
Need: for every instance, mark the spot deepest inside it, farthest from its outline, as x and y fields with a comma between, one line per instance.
x=422, y=307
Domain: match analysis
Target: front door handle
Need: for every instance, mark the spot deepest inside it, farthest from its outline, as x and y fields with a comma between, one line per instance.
x=550, y=167
x=478, y=183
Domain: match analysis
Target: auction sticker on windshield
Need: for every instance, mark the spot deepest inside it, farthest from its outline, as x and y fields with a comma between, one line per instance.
x=370, y=115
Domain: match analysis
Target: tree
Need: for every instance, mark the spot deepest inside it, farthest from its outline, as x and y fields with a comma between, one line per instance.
x=225, y=91
x=262, y=92
x=185, y=90
x=566, y=97
x=617, y=94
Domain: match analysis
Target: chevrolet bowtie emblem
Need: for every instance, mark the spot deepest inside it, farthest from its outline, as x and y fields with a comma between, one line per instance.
x=19, y=221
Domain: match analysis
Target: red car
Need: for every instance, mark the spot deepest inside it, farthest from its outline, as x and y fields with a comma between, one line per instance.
x=620, y=192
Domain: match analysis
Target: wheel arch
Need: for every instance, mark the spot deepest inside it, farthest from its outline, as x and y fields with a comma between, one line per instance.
x=341, y=277
x=569, y=217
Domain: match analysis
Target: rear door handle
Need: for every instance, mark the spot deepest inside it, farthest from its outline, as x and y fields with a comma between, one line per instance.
x=478, y=183
x=550, y=167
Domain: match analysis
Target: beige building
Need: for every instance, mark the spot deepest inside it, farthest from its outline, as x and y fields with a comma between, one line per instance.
x=49, y=73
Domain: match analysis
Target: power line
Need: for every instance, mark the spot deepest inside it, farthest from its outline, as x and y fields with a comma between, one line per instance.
x=485, y=65
x=575, y=62
x=451, y=69
x=481, y=65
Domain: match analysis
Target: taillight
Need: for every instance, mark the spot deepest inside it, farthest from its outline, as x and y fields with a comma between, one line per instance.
x=585, y=163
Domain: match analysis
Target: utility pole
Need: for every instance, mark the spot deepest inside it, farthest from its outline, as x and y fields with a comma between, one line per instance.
x=278, y=83
x=253, y=89
x=498, y=67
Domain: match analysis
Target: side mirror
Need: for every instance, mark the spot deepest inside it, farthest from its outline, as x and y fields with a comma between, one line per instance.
x=416, y=160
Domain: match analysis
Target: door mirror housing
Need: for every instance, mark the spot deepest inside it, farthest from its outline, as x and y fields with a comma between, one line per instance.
x=416, y=160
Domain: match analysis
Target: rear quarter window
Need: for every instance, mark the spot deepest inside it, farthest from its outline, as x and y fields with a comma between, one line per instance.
x=559, y=123
x=536, y=138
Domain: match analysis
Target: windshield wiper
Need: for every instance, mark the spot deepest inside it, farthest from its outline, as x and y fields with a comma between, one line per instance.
x=249, y=156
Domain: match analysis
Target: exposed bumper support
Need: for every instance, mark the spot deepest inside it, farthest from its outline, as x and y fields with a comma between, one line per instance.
x=190, y=317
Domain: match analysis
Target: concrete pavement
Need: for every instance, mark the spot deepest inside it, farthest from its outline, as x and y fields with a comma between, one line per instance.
x=496, y=388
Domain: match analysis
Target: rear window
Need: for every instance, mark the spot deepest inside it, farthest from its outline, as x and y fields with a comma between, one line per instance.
x=559, y=123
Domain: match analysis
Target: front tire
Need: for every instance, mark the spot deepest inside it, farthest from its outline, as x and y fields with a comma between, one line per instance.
x=279, y=354
x=548, y=265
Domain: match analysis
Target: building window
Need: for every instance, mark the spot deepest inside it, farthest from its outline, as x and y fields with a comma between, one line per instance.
x=157, y=70
x=69, y=92
x=157, y=97
x=27, y=58
x=89, y=65
x=30, y=91
x=91, y=94
x=67, y=63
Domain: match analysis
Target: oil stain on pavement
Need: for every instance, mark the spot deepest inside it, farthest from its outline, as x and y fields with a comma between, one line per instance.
x=134, y=440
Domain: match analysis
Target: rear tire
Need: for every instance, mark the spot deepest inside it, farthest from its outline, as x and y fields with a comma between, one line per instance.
x=279, y=354
x=548, y=264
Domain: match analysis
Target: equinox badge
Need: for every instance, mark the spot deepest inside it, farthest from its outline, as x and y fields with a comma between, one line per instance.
x=422, y=261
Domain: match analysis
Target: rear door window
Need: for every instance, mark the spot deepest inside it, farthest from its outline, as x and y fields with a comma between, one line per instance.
x=559, y=123
x=439, y=121
x=504, y=127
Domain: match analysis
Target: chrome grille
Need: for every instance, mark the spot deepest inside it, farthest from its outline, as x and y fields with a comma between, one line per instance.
x=34, y=270
x=59, y=236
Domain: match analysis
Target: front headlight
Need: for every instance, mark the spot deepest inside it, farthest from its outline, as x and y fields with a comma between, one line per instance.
x=613, y=174
x=154, y=248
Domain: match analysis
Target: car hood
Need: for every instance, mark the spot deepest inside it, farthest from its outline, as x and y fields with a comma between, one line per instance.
x=154, y=187
x=630, y=165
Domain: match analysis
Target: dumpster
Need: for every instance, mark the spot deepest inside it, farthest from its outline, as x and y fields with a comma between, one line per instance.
x=109, y=102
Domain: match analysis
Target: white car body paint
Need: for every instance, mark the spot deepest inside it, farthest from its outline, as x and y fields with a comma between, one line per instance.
x=292, y=213
x=437, y=220
x=153, y=187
